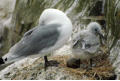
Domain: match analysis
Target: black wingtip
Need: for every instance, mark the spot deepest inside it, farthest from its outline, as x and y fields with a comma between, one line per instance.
x=1, y=61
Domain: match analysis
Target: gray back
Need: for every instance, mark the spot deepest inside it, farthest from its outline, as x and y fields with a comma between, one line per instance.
x=37, y=40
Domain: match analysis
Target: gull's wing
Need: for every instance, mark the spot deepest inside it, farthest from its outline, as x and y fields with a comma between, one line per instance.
x=30, y=31
x=36, y=40
x=78, y=40
x=92, y=48
x=85, y=42
x=92, y=44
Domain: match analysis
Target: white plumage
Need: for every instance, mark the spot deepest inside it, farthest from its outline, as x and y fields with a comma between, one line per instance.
x=86, y=43
x=53, y=31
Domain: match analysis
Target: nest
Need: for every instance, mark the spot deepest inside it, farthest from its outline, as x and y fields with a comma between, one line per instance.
x=102, y=71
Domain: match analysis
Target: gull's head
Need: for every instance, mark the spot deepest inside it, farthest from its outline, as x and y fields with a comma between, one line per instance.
x=95, y=28
x=53, y=16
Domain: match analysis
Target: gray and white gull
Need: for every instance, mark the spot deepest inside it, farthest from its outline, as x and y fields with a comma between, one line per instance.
x=52, y=33
x=86, y=43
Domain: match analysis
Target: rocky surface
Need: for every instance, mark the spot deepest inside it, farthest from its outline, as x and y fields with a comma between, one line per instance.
x=29, y=68
x=34, y=71
x=115, y=58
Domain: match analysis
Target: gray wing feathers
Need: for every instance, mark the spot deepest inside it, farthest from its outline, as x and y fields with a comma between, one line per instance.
x=82, y=41
x=29, y=32
x=77, y=40
x=38, y=39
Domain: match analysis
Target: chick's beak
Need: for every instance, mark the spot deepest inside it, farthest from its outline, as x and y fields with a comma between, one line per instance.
x=102, y=38
x=101, y=35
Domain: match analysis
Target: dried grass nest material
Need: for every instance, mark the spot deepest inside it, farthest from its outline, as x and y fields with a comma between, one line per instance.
x=102, y=71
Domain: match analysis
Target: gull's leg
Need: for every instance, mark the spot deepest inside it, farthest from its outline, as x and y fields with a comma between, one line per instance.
x=49, y=63
x=46, y=62
x=91, y=63
x=79, y=61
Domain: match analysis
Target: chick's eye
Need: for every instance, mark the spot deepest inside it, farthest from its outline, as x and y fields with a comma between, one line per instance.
x=95, y=29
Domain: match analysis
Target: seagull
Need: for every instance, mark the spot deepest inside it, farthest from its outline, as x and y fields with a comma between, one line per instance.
x=52, y=32
x=86, y=43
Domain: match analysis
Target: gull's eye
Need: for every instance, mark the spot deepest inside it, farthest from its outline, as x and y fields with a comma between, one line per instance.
x=96, y=30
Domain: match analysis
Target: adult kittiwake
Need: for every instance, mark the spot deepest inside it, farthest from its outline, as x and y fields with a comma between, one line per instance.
x=53, y=32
